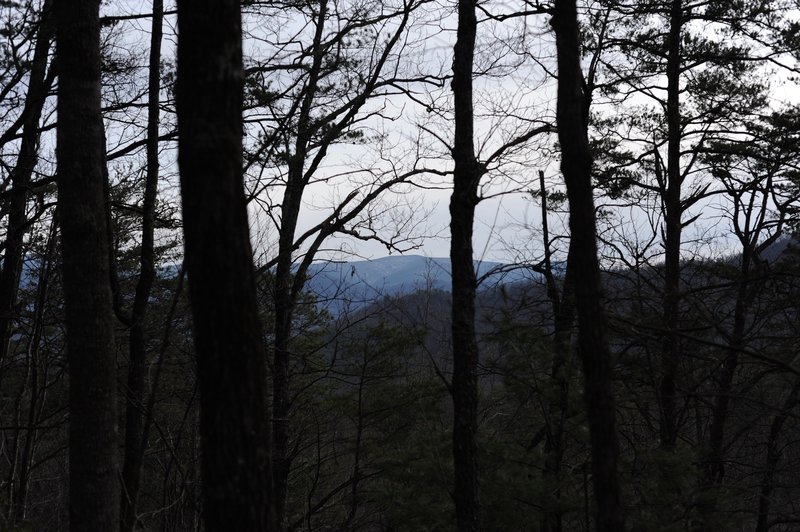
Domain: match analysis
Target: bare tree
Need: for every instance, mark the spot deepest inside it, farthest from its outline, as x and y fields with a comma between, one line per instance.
x=330, y=86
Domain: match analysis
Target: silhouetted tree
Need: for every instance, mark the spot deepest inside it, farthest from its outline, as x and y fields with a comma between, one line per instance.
x=576, y=165
x=135, y=438
x=466, y=178
x=93, y=462
x=231, y=358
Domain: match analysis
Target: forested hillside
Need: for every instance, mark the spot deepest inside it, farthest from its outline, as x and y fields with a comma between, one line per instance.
x=200, y=328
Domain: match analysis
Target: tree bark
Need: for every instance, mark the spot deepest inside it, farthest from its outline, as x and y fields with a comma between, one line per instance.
x=466, y=178
x=231, y=358
x=673, y=211
x=576, y=165
x=137, y=346
x=93, y=464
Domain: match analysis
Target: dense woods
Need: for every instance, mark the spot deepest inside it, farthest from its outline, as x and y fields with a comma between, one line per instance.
x=189, y=339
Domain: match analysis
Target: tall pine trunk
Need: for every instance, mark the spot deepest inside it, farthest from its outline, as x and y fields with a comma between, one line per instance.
x=231, y=357
x=576, y=165
x=93, y=467
x=673, y=211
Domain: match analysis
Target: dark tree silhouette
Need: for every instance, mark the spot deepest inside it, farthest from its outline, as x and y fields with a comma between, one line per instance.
x=134, y=433
x=466, y=178
x=673, y=225
x=93, y=468
x=576, y=165
x=234, y=425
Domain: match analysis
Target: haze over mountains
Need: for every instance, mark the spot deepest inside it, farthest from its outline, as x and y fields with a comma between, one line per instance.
x=399, y=274
x=339, y=283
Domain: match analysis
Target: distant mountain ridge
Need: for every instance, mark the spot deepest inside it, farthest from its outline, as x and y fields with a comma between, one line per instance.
x=366, y=280
x=339, y=283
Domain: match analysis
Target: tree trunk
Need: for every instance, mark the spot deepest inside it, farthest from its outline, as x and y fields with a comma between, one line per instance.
x=286, y=288
x=231, y=358
x=284, y=307
x=563, y=305
x=38, y=87
x=93, y=464
x=137, y=348
x=466, y=177
x=555, y=445
x=673, y=211
x=576, y=165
